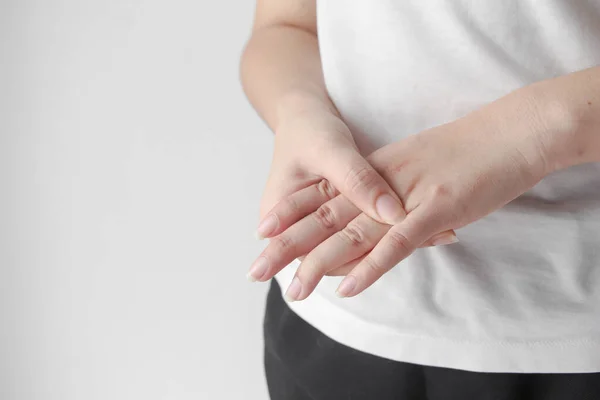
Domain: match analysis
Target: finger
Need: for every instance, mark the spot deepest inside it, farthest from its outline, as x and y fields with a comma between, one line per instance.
x=356, y=239
x=400, y=241
x=441, y=239
x=346, y=268
x=345, y=248
x=295, y=207
x=355, y=178
x=283, y=182
x=302, y=237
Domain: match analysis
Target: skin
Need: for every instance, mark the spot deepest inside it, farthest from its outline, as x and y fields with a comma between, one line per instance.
x=528, y=134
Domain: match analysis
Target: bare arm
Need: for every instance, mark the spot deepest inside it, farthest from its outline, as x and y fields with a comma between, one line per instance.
x=569, y=107
x=281, y=67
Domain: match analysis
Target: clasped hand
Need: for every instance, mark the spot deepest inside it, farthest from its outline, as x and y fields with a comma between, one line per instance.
x=445, y=178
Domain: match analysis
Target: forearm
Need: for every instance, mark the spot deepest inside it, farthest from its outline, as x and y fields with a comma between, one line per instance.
x=568, y=108
x=281, y=73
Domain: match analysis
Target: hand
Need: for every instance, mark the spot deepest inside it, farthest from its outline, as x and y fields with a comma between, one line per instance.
x=312, y=149
x=447, y=177
x=330, y=218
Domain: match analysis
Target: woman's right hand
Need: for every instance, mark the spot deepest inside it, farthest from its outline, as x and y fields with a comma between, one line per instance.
x=315, y=156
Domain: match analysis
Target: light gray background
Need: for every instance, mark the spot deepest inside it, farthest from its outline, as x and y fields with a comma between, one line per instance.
x=131, y=168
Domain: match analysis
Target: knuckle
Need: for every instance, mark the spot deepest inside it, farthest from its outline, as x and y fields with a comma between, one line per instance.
x=325, y=188
x=313, y=269
x=325, y=217
x=283, y=244
x=440, y=192
x=400, y=242
x=360, y=178
x=353, y=235
x=290, y=205
x=374, y=266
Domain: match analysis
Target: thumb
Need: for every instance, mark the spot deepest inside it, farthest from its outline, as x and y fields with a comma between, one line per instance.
x=355, y=178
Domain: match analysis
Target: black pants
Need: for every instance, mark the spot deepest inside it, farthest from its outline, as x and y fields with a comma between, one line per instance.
x=303, y=364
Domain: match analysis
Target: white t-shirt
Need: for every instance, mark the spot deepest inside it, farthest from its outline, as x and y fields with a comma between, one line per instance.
x=521, y=291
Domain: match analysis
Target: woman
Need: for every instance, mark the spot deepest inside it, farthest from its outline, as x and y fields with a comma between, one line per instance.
x=402, y=128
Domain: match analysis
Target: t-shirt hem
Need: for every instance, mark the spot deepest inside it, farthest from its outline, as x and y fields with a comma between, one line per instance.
x=561, y=356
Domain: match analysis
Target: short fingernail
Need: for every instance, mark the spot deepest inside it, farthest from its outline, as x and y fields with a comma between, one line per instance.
x=389, y=209
x=266, y=227
x=445, y=240
x=346, y=287
x=294, y=290
x=258, y=269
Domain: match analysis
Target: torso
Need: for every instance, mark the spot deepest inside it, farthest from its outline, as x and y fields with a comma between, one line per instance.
x=521, y=291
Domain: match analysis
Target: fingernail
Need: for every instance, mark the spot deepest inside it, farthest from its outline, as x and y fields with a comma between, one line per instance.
x=346, y=287
x=294, y=290
x=266, y=227
x=389, y=209
x=258, y=269
x=445, y=240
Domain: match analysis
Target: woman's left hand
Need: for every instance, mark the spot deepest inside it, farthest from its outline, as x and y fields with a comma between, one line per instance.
x=447, y=177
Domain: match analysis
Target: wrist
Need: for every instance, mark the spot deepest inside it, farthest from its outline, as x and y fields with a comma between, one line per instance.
x=301, y=103
x=568, y=115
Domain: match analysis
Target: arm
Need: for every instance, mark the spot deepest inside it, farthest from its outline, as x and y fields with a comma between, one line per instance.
x=281, y=66
x=569, y=110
